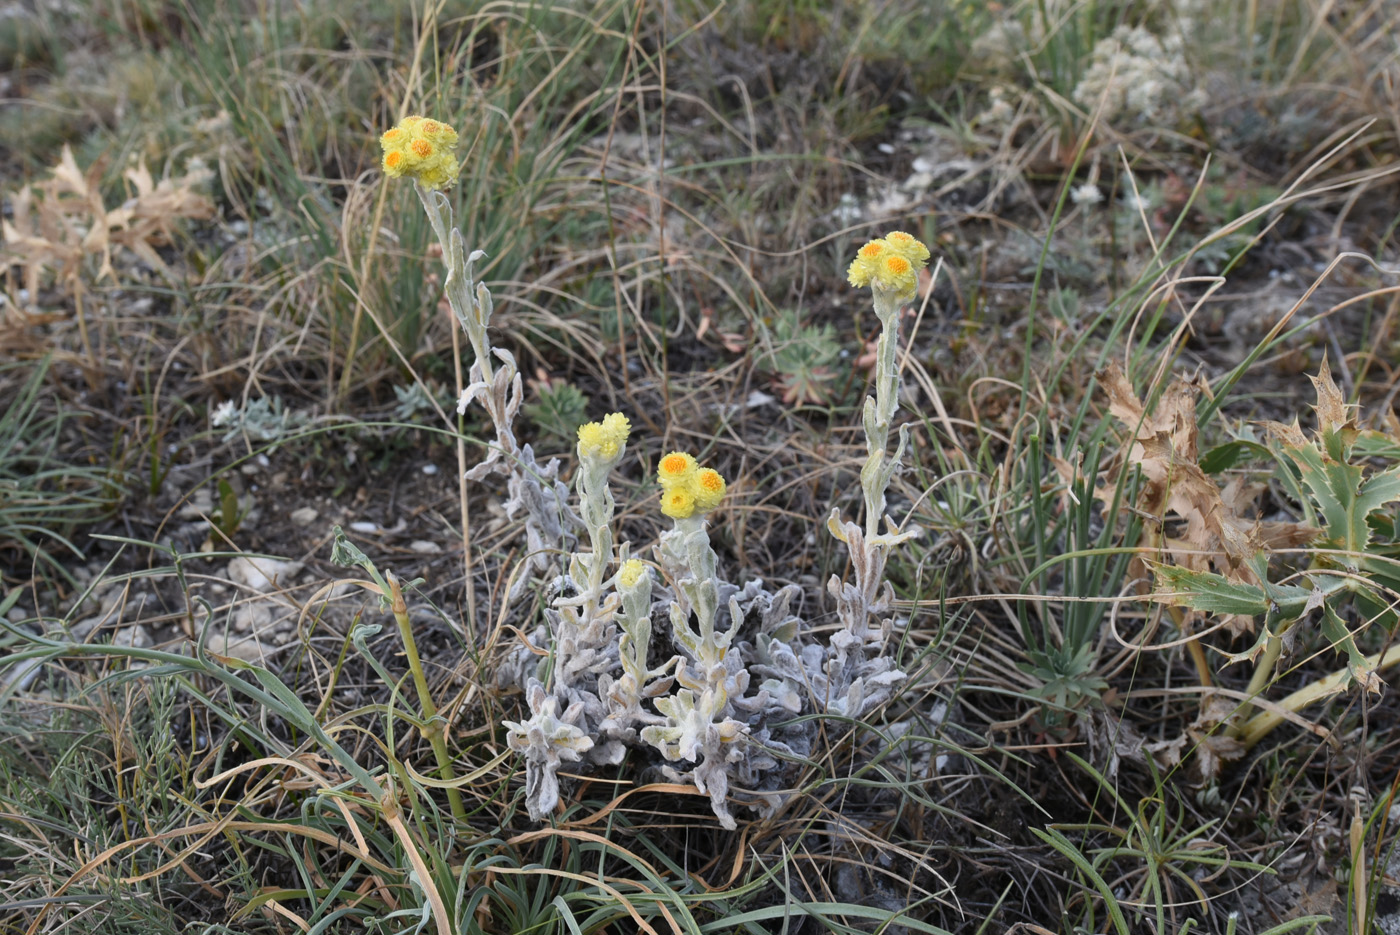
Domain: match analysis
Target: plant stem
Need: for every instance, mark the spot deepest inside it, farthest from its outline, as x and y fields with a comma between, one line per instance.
x=425, y=697
x=1259, y=726
x=1264, y=668
x=1193, y=648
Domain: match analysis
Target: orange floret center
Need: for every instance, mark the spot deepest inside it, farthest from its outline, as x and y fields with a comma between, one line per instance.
x=899, y=237
x=393, y=134
x=710, y=480
x=393, y=159
x=871, y=250
x=430, y=126
x=423, y=148
x=673, y=464
x=897, y=265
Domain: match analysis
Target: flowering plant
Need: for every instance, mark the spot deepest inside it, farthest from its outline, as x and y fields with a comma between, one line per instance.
x=729, y=722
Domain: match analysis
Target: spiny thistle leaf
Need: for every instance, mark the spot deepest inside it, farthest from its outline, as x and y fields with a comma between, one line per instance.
x=1211, y=593
x=1362, y=672
x=1344, y=496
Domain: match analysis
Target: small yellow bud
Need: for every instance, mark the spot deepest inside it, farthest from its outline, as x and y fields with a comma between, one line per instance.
x=678, y=503
x=617, y=425
x=676, y=468
x=603, y=439
x=631, y=572
x=909, y=247
x=709, y=487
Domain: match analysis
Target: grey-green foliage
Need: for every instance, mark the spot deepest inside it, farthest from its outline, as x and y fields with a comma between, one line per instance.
x=560, y=410
x=265, y=419
x=801, y=357
x=56, y=774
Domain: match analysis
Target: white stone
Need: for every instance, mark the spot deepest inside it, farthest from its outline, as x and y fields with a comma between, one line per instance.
x=304, y=516
x=253, y=618
x=262, y=574
x=246, y=648
x=198, y=506
x=424, y=547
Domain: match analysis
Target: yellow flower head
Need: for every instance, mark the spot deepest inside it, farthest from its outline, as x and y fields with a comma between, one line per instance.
x=678, y=502
x=616, y=424
x=863, y=266
x=909, y=247
x=675, y=469
x=603, y=439
x=421, y=149
x=708, y=487
x=892, y=264
x=631, y=572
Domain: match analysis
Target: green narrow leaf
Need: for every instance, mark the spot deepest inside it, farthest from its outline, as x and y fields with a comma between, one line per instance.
x=345, y=553
x=1066, y=847
x=1223, y=457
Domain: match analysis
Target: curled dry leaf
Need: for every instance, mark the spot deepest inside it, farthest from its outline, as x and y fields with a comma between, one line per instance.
x=61, y=221
x=1214, y=528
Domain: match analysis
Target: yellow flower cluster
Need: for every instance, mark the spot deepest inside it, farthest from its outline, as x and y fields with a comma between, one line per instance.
x=422, y=149
x=891, y=263
x=631, y=573
x=686, y=487
x=604, y=439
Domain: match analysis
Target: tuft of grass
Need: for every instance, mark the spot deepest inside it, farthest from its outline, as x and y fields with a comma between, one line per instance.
x=45, y=498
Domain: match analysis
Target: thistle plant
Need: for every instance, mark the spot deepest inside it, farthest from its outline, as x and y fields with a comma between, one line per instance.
x=422, y=149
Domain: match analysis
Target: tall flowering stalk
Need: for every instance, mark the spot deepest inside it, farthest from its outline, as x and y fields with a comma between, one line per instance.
x=422, y=149
x=698, y=726
x=890, y=267
x=583, y=620
x=584, y=637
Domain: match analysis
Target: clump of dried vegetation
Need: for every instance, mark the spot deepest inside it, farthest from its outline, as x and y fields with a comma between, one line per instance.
x=303, y=622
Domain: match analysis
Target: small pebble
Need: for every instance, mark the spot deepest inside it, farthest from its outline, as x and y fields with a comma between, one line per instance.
x=304, y=516
x=424, y=547
x=363, y=526
x=246, y=648
x=261, y=574
x=430, y=469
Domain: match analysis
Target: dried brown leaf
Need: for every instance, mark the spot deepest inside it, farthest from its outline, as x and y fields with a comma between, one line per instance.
x=1123, y=403
x=59, y=221
x=1331, y=405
